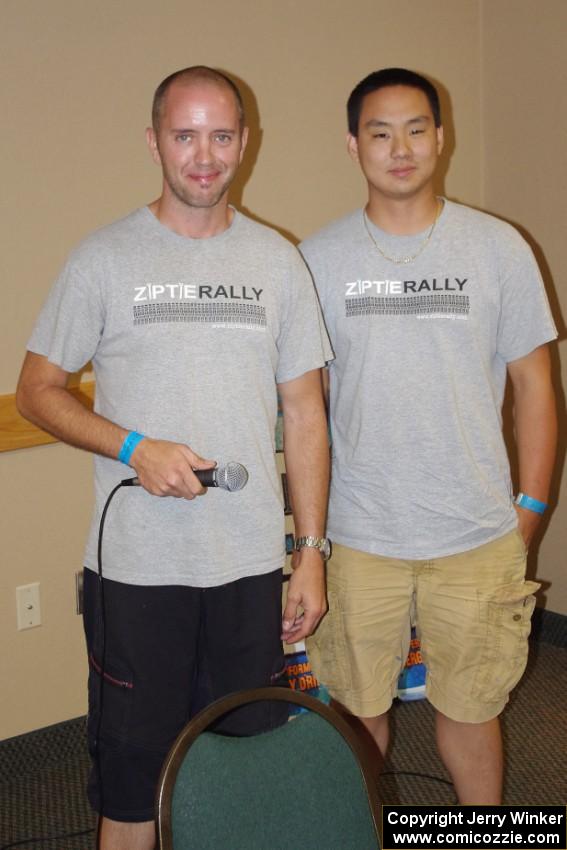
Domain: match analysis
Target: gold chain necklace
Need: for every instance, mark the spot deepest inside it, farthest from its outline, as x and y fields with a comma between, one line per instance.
x=404, y=260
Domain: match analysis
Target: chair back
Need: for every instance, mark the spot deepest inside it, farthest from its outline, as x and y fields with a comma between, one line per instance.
x=307, y=784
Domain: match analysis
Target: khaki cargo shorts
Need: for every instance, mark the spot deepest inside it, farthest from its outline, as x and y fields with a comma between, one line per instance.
x=473, y=614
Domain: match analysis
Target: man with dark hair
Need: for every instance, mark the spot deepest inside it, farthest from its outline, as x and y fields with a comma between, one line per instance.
x=386, y=78
x=429, y=305
x=193, y=316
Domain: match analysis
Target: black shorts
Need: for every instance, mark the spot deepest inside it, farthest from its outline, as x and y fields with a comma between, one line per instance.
x=169, y=651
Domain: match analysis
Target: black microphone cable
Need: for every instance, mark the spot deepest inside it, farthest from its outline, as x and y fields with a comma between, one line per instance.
x=126, y=482
x=233, y=476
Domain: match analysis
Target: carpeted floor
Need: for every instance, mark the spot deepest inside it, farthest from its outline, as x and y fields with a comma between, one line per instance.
x=535, y=734
x=43, y=774
x=42, y=790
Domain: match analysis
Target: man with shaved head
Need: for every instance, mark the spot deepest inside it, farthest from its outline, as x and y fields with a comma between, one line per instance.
x=193, y=317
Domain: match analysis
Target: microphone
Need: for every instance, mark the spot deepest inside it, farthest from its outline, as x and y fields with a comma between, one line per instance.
x=231, y=477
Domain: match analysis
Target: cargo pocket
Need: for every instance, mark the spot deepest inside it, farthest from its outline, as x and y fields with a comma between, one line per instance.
x=506, y=617
x=327, y=649
x=110, y=700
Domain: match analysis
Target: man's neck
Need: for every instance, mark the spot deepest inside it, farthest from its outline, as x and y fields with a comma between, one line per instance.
x=403, y=216
x=193, y=222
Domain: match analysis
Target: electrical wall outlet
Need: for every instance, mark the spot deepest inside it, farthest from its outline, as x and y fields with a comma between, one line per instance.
x=79, y=592
x=27, y=606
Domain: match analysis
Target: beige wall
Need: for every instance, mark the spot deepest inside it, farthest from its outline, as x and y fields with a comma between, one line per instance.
x=77, y=83
x=524, y=97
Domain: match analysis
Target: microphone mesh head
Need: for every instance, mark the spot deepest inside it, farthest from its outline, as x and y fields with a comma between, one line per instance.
x=233, y=476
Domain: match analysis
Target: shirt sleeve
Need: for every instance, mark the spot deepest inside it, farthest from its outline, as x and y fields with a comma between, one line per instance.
x=303, y=343
x=71, y=322
x=525, y=320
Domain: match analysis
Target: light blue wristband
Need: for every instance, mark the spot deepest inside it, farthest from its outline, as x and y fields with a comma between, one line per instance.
x=128, y=446
x=530, y=504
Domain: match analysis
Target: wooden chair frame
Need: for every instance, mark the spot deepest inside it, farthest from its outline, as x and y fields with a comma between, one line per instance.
x=220, y=707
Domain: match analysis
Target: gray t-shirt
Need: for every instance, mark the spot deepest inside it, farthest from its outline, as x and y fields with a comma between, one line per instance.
x=187, y=338
x=420, y=468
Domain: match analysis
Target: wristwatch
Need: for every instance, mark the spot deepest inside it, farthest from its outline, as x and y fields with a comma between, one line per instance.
x=323, y=544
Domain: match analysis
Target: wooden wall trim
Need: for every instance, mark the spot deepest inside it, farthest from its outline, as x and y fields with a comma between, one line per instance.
x=17, y=433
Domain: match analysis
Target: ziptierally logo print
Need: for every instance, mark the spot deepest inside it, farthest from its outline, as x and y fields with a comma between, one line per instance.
x=220, y=306
x=438, y=298
x=235, y=315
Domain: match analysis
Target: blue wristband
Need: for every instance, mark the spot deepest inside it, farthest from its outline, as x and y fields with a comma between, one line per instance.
x=128, y=446
x=530, y=504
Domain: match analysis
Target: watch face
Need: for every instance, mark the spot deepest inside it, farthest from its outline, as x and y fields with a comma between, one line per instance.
x=326, y=548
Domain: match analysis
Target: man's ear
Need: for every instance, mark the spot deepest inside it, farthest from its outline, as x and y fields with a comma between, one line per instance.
x=243, y=142
x=151, y=140
x=440, y=139
x=352, y=146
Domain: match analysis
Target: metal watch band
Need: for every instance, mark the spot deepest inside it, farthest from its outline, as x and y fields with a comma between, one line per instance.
x=320, y=543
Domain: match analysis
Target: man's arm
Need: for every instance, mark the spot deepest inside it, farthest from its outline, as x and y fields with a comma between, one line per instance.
x=535, y=421
x=163, y=468
x=325, y=384
x=306, y=450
